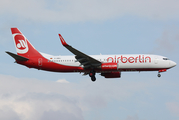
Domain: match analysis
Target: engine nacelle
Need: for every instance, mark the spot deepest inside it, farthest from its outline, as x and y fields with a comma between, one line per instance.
x=111, y=75
x=109, y=66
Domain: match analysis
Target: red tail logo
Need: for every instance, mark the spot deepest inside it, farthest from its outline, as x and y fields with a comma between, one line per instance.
x=23, y=46
x=21, y=43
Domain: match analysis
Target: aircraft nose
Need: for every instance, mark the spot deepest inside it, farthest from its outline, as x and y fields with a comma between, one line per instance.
x=173, y=64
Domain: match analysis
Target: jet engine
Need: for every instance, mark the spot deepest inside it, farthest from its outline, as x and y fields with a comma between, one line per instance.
x=111, y=75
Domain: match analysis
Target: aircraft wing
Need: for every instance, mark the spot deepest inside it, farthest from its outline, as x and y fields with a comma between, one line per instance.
x=85, y=60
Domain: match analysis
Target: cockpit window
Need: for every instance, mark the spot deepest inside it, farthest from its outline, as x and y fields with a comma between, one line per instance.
x=165, y=59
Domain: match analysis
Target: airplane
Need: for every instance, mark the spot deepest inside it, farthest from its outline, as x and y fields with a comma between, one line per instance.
x=109, y=66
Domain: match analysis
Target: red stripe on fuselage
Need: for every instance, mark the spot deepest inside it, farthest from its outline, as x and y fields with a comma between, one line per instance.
x=48, y=65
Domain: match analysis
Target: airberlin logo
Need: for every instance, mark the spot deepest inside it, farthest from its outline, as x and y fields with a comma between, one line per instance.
x=21, y=43
x=131, y=59
x=109, y=66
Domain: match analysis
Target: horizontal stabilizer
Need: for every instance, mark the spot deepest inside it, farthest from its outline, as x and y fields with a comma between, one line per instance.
x=17, y=57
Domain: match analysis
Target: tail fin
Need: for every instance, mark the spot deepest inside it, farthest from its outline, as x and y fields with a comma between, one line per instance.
x=23, y=46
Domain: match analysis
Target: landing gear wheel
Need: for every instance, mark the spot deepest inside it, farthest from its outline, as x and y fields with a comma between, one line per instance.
x=93, y=78
x=159, y=75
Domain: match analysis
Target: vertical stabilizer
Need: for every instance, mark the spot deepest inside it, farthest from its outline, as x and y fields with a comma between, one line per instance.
x=23, y=46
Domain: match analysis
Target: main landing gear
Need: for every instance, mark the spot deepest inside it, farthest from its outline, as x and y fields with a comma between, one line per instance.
x=92, y=75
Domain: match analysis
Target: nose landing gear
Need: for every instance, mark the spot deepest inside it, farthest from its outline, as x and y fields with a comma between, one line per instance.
x=163, y=70
x=159, y=75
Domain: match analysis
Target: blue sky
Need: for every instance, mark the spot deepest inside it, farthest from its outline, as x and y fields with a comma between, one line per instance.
x=93, y=27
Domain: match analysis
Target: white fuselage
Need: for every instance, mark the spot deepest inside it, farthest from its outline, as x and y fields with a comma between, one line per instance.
x=133, y=62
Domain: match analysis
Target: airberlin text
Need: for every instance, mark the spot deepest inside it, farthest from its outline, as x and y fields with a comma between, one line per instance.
x=131, y=59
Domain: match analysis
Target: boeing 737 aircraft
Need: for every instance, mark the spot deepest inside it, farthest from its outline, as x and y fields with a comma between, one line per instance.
x=109, y=66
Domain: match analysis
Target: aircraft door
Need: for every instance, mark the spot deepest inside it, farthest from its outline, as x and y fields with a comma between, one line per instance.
x=156, y=60
x=40, y=61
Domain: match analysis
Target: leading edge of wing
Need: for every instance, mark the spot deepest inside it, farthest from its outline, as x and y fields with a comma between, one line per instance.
x=84, y=59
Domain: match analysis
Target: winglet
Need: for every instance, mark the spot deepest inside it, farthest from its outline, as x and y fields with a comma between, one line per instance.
x=62, y=40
